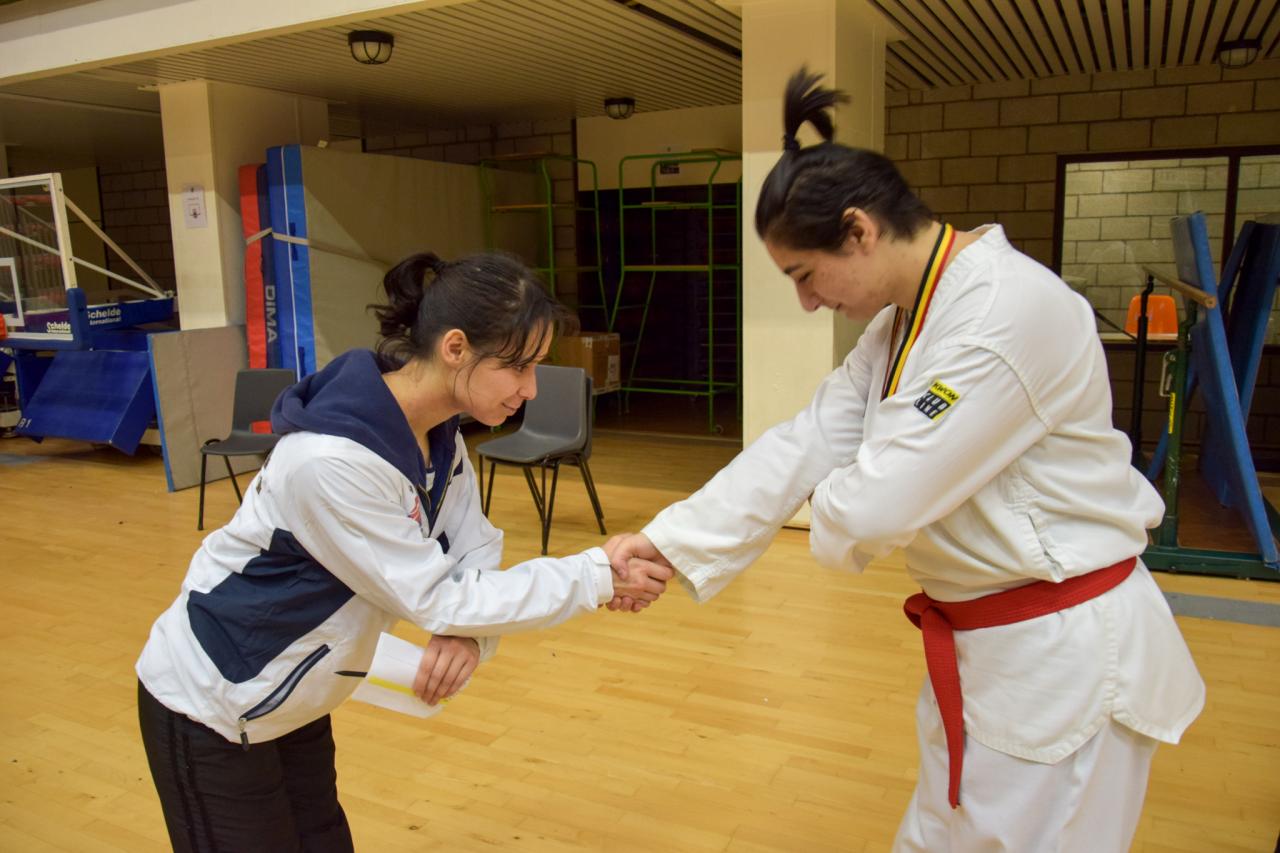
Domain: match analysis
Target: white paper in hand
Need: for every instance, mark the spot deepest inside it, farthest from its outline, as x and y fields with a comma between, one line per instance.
x=389, y=683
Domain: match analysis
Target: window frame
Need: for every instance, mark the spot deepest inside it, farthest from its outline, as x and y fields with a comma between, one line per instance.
x=1233, y=153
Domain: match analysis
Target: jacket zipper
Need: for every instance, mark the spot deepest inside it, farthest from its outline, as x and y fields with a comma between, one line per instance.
x=431, y=507
x=281, y=693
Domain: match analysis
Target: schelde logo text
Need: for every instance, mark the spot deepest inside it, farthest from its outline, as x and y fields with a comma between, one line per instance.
x=105, y=314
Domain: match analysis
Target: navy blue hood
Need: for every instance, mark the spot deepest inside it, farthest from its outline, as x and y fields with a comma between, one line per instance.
x=349, y=399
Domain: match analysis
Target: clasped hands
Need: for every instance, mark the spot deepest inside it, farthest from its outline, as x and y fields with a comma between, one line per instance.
x=640, y=576
x=640, y=572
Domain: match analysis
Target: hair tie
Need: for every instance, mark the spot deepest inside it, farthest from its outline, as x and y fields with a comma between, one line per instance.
x=790, y=143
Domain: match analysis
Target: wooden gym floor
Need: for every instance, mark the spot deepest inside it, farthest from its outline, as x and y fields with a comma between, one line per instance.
x=777, y=717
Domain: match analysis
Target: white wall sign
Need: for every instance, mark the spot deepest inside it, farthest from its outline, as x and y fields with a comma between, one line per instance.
x=193, y=210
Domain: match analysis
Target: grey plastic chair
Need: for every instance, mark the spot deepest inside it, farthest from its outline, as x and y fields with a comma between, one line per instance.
x=256, y=392
x=556, y=429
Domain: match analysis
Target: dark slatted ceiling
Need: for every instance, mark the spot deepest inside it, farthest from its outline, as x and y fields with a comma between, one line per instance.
x=553, y=58
x=952, y=42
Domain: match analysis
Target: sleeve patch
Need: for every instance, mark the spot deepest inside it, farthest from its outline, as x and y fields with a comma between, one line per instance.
x=937, y=401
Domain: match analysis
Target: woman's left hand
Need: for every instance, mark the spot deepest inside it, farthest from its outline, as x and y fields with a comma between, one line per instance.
x=445, y=667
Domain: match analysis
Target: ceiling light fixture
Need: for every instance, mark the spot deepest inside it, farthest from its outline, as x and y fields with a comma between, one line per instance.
x=370, y=47
x=619, y=108
x=1238, y=53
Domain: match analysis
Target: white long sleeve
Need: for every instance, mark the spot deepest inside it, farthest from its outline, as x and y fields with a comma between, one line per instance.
x=726, y=525
x=350, y=522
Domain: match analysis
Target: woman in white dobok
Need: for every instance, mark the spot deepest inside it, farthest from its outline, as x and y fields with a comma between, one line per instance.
x=970, y=427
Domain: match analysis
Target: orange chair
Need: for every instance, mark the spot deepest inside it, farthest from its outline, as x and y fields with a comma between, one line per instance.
x=1162, y=316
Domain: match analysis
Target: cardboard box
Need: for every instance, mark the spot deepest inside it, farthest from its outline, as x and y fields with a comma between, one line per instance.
x=598, y=353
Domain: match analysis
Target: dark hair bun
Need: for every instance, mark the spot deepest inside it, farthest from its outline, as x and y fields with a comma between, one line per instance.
x=493, y=298
x=405, y=284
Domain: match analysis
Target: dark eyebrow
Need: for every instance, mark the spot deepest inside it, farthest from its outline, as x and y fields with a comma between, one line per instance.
x=789, y=270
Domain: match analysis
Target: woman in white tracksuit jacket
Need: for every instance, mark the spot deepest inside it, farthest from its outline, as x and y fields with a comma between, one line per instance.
x=970, y=427
x=366, y=512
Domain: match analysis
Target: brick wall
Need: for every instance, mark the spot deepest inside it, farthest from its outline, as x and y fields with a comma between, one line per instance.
x=469, y=145
x=1116, y=217
x=1259, y=191
x=1116, y=220
x=135, y=214
x=988, y=152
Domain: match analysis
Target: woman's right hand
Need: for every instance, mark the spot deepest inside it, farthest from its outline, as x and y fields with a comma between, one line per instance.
x=445, y=667
x=629, y=550
x=645, y=581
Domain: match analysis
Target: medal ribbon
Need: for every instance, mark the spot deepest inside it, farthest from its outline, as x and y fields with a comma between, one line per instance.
x=924, y=297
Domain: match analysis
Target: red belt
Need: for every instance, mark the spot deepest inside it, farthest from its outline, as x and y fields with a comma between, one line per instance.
x=938, y=619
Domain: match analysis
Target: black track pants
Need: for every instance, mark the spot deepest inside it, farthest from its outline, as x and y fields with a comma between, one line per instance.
x=277, y=796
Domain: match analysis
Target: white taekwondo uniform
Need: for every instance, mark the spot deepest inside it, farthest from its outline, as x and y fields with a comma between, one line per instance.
x=994, y=465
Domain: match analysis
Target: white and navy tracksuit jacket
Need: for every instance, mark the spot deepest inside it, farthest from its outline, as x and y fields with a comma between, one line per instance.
x=344, y=531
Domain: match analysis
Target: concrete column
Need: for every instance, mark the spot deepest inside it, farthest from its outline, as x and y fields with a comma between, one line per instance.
x=210, y=130
x=786, y=351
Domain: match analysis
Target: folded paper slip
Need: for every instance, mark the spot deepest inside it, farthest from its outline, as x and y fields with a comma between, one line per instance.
x=389, y=681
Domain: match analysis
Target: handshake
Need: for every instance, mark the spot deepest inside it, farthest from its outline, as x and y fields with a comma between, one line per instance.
x=640, y=572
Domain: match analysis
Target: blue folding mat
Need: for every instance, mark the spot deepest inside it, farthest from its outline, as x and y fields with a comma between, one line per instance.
x=101, y=396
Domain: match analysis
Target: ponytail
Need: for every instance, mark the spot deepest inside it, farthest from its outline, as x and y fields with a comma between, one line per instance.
x=804, y=102
x=805, y=195
x=404, y=285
